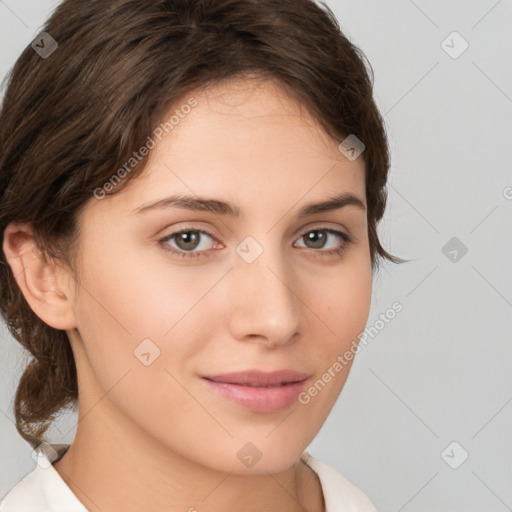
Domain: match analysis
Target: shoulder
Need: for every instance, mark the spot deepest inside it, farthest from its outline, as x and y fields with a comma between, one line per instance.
x=26, y=495
x=42, y=490
x=339, y=492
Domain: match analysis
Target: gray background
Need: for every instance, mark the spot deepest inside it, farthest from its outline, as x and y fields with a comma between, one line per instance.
x=440, y=371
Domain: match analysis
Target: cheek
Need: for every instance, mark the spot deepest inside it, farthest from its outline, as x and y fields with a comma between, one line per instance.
x=139, y=337
x=126, y=300
x=341, y=301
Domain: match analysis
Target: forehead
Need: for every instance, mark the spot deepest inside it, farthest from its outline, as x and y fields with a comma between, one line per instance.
x=247, y=142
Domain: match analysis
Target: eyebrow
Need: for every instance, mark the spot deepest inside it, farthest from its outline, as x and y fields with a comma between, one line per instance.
x=218, y=207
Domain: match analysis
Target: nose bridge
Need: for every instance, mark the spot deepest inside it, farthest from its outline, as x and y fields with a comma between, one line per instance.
x=267, y=305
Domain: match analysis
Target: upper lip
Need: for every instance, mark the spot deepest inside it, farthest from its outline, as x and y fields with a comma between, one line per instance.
x=259, y=378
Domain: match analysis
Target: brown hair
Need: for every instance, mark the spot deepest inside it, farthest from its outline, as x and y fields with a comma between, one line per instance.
x=69, y=120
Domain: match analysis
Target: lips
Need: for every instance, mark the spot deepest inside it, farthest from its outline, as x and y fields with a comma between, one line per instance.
x=257, y=390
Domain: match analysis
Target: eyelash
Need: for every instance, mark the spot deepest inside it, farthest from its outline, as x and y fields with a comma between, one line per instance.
x=339, y=251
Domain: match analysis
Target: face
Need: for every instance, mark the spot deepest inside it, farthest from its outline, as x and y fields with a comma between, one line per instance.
x=174, y=300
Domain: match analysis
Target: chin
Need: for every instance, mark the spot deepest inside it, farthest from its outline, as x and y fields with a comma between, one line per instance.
x=258, y=457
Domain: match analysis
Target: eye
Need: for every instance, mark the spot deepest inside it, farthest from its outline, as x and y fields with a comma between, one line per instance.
x=191, y=243
x=187, y=240
x=317, y=239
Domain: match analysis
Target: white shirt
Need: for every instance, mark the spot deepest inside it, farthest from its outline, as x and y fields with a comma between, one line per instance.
x=43, y=489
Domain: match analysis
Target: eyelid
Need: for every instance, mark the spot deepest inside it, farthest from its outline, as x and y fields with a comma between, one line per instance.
x=343, y=233
x=326, y=226
x=302, y=232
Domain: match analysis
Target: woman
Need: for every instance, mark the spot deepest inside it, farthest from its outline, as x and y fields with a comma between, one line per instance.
x=190, y=200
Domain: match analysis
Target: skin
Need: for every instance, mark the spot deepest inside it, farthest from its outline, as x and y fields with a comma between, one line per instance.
x=170, y=441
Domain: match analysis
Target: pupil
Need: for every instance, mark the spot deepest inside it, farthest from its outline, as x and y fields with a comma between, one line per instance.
x=318, y=240
x=188, y=240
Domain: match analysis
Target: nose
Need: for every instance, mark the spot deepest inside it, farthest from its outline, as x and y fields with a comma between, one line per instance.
x=264, y=301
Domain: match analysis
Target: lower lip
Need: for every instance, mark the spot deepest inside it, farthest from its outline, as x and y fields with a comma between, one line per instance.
x=260, y=399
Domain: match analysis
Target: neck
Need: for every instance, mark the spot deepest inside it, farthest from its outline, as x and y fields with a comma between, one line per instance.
x=120, y=469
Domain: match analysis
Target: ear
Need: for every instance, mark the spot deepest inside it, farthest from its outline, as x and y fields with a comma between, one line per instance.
x=47, y=287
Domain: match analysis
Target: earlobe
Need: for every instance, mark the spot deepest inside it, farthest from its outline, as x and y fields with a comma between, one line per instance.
x=38, y=277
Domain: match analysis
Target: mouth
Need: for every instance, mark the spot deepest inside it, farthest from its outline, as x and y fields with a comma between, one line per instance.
x=259, y=391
